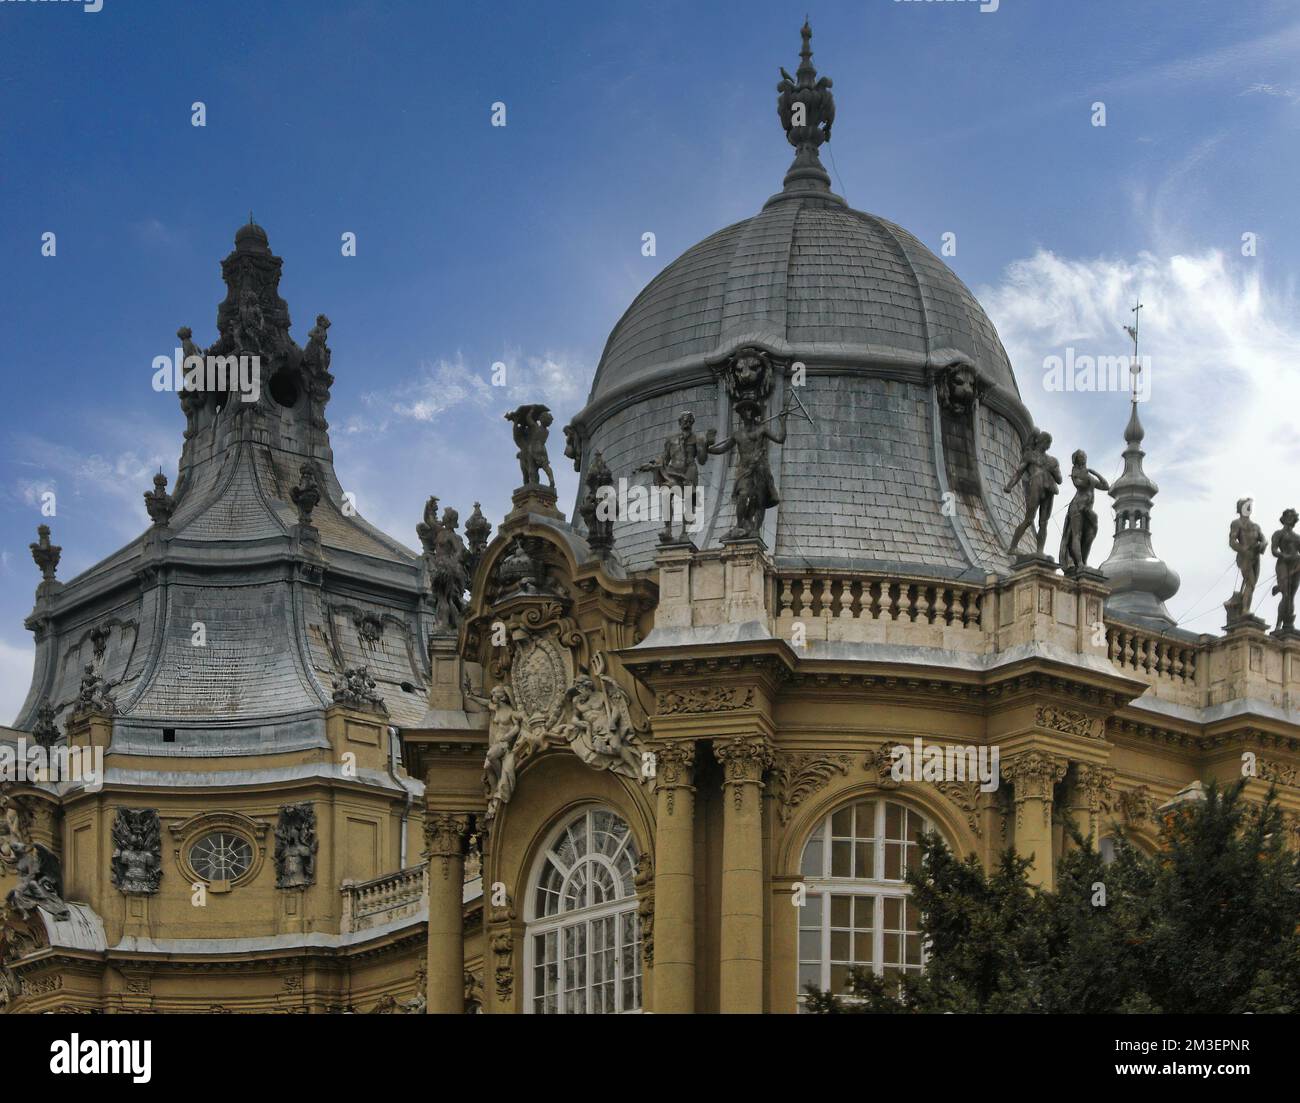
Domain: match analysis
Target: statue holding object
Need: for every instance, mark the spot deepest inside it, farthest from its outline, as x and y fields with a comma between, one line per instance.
x=1080, y=528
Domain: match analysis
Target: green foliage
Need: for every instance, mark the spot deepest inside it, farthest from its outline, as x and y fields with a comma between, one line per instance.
x=1208, y=924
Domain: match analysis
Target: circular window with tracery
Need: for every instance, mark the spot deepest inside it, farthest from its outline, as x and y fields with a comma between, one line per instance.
x=221, y=856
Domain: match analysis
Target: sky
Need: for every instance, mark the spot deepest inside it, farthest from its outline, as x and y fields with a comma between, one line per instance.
x=522, y=244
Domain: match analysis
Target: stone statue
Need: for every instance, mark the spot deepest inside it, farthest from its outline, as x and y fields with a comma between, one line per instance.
x=306, y=495
x=599, y=505
x=449, y=572
x=44, y=730
x=504, y=730
x=159, y=504
x=316, y=370
x=295, y=846
x=137, y=851
x=477, y=531
x=1042, y=475
x=192, y=397
x=40, y=881
x=15, y=828
x=93, y=695
x=1247, y=539
x=1286, y=549
x=356, y=689
x=532, y=427
x=1080, y=528
x=599, y=727
x=754, y=490
x=678, y=471
x=957, y=387
x=44, y=554
x=249, y=322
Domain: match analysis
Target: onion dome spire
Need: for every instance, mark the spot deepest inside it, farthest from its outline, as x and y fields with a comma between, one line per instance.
x=806, y=109
x=1140, y=582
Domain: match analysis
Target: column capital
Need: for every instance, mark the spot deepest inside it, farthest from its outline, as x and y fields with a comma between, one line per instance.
x=674, y=769
x=1034, y=774
x=445, y=836
x=744, y=760
x=1096, y=786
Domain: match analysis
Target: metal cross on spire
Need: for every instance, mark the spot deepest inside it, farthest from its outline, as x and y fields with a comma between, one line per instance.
x=1135, y=365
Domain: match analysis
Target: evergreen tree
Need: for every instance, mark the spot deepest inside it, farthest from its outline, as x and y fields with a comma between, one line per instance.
x=1208, y=924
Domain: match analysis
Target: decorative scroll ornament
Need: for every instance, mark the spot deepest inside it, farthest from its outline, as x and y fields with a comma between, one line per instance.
x=796, y=776
x=1067, y=721
x=137, y=851
x=502, y=943
x=295, y=846
x=702, y=699
x=966, y=796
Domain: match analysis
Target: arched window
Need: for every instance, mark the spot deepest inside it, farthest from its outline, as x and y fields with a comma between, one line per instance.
x=584, y=934
x=857, y=912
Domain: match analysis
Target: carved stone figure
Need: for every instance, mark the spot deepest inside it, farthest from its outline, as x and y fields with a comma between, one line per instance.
x=573, y=446
x=316, y=371
x=753, y=492
x=137, y=851
x=93, y=694
x=1247, y=539
x=99, y=637
x=356, y=689
x=250, y=321
x=522, y=569
x=44, y=554
x=1041, y=475
x=448, y=572
x=504, y=730
x=678, y=470
x=159, y=504
x=599, y=505
x=44, y=730
x=595, y=717
x=15, y=828
x=532, y=425
x=295, y=846
x=957, y=386
x=1286, y=550
x=192, y=396
x=427, y=529
x=1080, y=527
x=477, y=531
x=748, y=375
x=40, y=881
x=306, y=495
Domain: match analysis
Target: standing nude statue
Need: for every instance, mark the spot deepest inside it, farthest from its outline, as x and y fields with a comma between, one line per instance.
x=504, y=730
x=1246, y=539
x=1042, y=475
x=1080, y=528
x=1286, y=549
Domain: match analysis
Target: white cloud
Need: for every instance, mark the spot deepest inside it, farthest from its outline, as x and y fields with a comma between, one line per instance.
x=1224, y=382
x=15, y=678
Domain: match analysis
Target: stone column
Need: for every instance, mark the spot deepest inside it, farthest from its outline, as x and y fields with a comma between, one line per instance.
x=675, y=878
x=744, y=759
x=445, y=836
x=1091, y=795
x=1033, y=775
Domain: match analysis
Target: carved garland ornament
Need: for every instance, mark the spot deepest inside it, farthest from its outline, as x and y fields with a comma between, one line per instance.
x=711, y=699
x=1067, y=721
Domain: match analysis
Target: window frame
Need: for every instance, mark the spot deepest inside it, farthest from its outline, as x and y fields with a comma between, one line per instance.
x=584, y=918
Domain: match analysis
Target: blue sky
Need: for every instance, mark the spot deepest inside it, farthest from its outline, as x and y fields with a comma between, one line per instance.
x=522, y=243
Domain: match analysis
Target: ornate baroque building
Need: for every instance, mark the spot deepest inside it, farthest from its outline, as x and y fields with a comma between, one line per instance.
x=617, y=761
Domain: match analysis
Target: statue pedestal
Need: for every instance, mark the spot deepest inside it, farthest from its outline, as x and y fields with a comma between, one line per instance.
x=1089, y=574
x=536, y=498
x=1237, y=620
x=1289, y=633
x=1044, y=561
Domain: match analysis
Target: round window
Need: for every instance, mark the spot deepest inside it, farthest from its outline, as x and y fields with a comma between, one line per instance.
x=221, y=856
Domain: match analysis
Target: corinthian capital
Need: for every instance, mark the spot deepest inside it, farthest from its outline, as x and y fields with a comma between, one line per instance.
x=1034, y=773
x=445, y=837
x=674, y=769
x=744, y=759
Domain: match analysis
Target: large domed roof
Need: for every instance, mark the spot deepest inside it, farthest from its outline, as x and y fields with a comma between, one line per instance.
x=911, y=426
x=808, y=276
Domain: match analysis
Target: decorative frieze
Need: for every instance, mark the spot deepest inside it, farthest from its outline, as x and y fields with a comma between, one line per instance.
x=705, y=699
x=1068, y=721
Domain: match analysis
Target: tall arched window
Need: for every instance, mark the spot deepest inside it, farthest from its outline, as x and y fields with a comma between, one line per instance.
x=857, y=912
x=584, y=935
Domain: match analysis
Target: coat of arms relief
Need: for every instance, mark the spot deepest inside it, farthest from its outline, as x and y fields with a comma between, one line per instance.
x=553, y=691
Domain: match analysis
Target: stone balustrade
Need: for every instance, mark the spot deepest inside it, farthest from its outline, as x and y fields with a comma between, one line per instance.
x=385, y=899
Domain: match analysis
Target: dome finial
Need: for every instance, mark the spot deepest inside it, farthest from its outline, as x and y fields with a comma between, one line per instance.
x=807, y=110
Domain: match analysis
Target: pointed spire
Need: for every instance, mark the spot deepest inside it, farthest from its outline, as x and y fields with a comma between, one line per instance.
x=806, y=108
x=1140, y=582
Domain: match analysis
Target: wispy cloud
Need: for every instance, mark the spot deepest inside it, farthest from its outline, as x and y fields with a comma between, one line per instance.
x=1219, y=422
